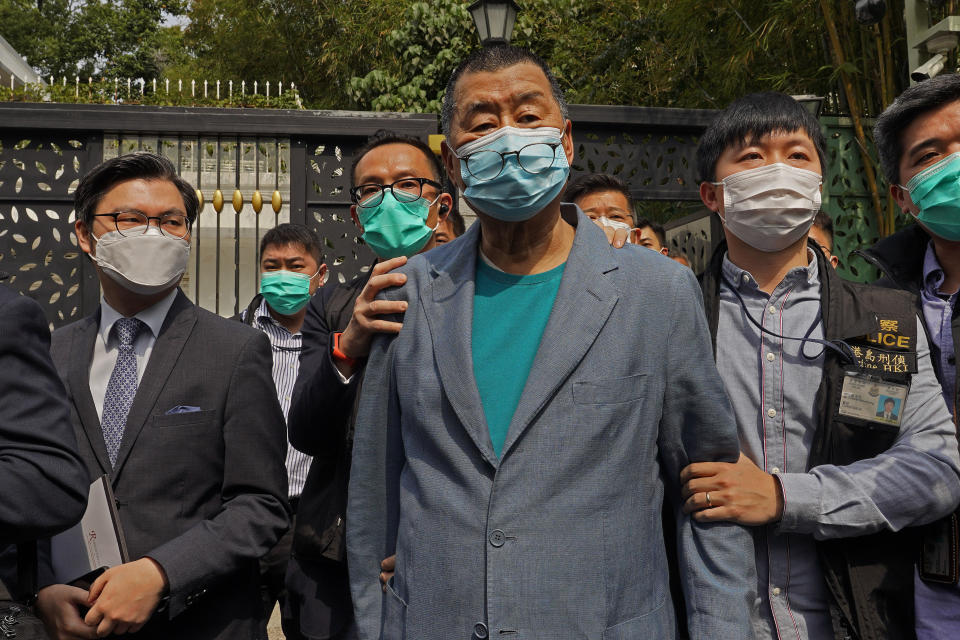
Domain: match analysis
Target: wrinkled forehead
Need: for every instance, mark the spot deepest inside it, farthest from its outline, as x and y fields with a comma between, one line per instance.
x=515, y=85
x=607, y=197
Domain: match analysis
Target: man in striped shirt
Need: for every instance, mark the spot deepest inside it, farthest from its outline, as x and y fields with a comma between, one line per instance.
x=291, y=271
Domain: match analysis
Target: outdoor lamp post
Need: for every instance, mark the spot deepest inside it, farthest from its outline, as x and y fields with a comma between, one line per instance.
x=494, y=20
x=813, y=104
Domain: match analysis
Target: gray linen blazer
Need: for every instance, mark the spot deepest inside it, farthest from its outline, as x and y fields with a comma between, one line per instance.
x=203, y=492
x=561, y=537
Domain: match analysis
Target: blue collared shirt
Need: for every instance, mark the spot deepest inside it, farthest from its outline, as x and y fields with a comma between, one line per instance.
x=938, y=606
x=938, y=313
x=773, y=388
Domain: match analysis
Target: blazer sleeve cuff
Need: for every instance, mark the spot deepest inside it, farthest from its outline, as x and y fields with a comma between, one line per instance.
x=184, y=588
x=801, y=502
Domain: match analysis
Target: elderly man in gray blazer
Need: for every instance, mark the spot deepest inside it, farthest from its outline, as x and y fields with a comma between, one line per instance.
x=516, y=440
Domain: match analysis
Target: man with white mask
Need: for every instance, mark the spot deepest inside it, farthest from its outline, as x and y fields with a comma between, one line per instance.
x=177, y=407
x=513, y=444
x=830, y=487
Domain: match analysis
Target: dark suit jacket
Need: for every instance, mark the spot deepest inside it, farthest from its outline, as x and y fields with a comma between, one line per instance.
x=320, y=423
x=202, y=493
x=319, y=391
x=44, y=481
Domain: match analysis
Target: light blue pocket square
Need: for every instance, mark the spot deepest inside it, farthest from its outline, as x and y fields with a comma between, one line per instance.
x=182, y=408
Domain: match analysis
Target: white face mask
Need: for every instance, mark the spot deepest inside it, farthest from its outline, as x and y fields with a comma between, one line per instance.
x=145, y=263
x=771, y=207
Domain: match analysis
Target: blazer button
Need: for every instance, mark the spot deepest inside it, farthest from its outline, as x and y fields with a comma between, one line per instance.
x=497, y=538
x=480, y=631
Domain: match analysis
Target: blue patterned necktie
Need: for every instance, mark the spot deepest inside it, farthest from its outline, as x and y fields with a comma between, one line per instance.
x=122, y=386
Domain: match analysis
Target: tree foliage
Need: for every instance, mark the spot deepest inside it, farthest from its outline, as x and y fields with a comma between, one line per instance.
x=418, y=57
x=124, y=38
x=683, y=53
x=397, y=55
x=317, y=44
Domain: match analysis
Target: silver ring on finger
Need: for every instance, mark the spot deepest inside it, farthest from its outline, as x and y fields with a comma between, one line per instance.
x=709, y=503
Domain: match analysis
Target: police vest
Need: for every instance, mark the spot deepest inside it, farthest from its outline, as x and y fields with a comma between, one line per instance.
x=870, y=578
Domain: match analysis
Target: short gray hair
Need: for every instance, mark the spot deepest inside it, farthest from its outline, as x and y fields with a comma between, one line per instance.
x=493, y=59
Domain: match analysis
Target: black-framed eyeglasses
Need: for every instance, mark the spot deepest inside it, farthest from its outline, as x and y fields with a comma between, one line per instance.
x=135, y=223
x=404, y=190
x=487, y=164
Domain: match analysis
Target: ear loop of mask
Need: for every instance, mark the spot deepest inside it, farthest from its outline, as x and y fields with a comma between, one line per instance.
x=436, y=226
x=839, y=346
x=915, y=216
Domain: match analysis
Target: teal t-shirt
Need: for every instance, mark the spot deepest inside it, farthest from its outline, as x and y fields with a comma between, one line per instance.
x=510, y=313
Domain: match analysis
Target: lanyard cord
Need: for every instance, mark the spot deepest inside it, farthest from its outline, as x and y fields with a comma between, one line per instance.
x=841, y=347
x=280, y=347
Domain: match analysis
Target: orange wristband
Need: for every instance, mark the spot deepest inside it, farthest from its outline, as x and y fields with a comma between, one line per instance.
x=340, y=355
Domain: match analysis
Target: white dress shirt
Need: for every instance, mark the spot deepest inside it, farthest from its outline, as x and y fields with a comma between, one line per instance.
x=105, y=347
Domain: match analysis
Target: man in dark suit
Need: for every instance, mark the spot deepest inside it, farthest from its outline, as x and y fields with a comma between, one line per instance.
x=339, y=325
x=177, y=405
x=43, y=479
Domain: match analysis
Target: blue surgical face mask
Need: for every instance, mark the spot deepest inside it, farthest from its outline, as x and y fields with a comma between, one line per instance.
x=936, y=192
x=534, y=171
x=394, y=228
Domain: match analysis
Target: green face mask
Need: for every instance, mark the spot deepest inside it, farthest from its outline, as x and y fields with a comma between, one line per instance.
x=394, y=228
x=936, y=192
x=285, y=291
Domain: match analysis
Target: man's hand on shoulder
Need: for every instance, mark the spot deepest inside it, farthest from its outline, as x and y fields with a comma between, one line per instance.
x=59, y=607
x=616, y=236
x=365, y=321
x=123, y=598
x=737, y=492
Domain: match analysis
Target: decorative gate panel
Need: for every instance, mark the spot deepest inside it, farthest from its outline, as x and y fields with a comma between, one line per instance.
x=328, y=205
x=298, y=160
x=39, y=172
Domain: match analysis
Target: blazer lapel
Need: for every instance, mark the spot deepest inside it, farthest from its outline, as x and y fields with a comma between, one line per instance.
x=166, y=351
x=448, y=307
x=584, y=302
x=81, y=354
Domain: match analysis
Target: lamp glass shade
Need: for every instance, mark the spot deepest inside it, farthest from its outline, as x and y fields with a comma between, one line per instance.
x=812, y=103
x=478, y=12
x=494, y=20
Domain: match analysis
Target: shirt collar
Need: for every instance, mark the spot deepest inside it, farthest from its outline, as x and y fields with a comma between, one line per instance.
x=152, y=316
x=933, y=275
x=262, y=314
x=746, y=282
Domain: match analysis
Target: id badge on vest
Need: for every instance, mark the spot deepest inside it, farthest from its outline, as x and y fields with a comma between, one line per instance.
x=875, y=390
x=868, y=398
